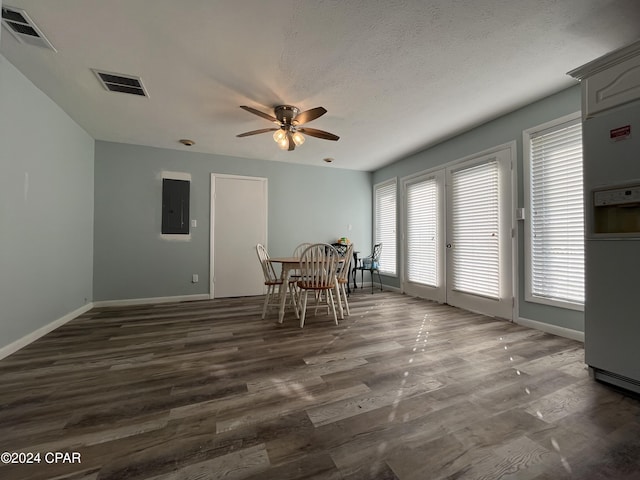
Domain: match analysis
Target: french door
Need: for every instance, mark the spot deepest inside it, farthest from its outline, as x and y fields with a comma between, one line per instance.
x=457, y=236
x=424, y=236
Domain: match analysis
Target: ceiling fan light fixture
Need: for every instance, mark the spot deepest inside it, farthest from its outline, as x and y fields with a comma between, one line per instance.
x=298, y=138
x=283, y=144
x=279, y=135
x=289, y=133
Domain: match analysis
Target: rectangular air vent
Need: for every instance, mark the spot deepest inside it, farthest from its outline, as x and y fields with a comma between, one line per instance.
x=23, y=29
x=117, y=82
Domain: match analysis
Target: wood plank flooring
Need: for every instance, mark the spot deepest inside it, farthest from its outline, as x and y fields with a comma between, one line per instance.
x=402, y=389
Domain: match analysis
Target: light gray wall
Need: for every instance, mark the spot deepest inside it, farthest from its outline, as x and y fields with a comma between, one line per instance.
x=46, y=209
x=500, y=131
x=131, y=260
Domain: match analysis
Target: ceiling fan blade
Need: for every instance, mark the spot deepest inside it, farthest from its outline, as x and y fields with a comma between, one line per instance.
x=309, y=115
x=319, y=134
x=292, y=144
x=271, y=118
x=255, y=132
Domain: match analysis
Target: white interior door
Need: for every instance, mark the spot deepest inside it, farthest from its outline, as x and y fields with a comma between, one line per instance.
x=238, y=224
x=457, y=234
x=479, y=234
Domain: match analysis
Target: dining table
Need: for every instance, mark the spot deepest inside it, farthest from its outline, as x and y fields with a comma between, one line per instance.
x=288, y=264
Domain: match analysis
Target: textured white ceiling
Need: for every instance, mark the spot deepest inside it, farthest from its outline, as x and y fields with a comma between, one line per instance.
x=395, y=75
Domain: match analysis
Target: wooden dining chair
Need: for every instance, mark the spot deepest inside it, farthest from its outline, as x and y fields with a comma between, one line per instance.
x=271, y=280
x=301, y=248
x=344, y=269
x=318, y=268
x=294, y=275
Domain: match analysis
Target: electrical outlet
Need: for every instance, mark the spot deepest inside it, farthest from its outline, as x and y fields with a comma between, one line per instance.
x=194, y=278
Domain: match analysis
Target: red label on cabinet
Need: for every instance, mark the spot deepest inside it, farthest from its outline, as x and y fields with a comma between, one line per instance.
x=620, y=133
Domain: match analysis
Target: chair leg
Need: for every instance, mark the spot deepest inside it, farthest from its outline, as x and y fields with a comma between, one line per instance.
x=294, y=298
x=318, y=298
x=299, y=301
x=379, y=279
x=333, y=305
x=304, y=308
x=266, y=301
x=339, y=301
x=346, y=301
x=371, y=272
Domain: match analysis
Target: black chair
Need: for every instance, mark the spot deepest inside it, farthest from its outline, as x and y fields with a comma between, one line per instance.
x=371, y=264
x=341, y=248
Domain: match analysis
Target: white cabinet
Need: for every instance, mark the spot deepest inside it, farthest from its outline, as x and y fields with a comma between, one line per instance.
x=609, y=81
x=611, y=142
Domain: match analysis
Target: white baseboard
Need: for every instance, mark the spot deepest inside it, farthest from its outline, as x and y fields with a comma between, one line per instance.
x=40, y=332
x=36, y=334
x=376, y=287
x=388, y=288
x=145, y=301
x=554, y=329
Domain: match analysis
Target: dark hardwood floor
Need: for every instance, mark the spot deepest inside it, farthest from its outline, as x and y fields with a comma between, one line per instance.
x=402, y=389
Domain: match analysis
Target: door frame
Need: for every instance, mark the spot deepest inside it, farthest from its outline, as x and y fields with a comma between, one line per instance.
x=513, y=156
x=212, y=223
x=501, y=307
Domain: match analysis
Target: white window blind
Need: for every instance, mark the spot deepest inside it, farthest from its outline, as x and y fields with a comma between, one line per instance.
x=385, y=224
x=557, y=220
x=475, y=243
x=422, y=232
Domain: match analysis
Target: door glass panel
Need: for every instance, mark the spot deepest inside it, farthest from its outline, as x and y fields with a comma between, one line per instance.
x=475, y=230
x=422, y=232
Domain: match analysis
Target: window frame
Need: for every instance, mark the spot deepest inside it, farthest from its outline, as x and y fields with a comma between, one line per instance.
x=378, y=186
x=527, y=135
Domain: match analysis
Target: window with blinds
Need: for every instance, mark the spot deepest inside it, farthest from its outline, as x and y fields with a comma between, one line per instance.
x=385, y=224
x=422, y=232
x=555, y=233
x=475, y=252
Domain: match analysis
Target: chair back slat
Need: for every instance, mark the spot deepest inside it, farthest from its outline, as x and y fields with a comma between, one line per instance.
x=318, y=264
x=301, y=248
x=377, y=250
x=295, y=272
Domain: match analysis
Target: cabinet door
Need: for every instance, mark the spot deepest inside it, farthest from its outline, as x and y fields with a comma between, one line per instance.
x=612, y=87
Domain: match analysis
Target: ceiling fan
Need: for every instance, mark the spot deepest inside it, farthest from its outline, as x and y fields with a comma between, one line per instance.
x=289, y=119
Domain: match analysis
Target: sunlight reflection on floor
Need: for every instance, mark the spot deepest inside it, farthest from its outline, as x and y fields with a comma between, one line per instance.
x=554, y=442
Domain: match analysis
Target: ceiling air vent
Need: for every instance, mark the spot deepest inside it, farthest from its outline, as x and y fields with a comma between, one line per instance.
x=23, y=29
x=117, y=82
